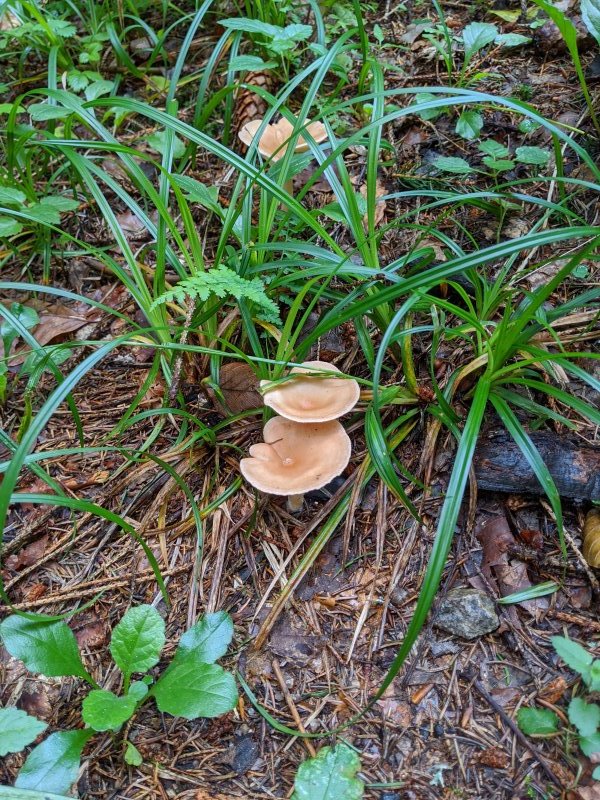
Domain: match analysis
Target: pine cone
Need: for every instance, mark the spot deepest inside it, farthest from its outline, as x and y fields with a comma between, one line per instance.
x=249, y=105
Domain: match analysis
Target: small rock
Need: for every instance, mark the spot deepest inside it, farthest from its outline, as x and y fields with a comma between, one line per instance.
x=468, y=613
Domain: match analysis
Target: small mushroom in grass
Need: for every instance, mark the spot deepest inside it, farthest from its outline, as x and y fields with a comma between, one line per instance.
x=274, y=138
x=310, y=397
x=296, y=458
x=273, y=141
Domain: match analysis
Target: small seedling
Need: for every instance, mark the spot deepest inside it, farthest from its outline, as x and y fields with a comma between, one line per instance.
x=583, y=715
x=192, y=686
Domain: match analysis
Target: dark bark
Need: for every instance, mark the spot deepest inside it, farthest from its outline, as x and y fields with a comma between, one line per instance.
x=575, y=466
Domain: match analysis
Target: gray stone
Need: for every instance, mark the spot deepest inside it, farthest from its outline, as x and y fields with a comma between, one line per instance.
x=468, y=613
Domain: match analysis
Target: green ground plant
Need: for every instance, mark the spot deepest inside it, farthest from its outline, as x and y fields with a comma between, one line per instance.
x=191, y=686
x=584, y=715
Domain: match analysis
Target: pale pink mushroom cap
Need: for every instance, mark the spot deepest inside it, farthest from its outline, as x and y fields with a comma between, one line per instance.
x=296, y=458
x=310, y=397
x=272, y=143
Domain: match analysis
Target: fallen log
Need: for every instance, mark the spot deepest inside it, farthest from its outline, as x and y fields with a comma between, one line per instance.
x=500, y=466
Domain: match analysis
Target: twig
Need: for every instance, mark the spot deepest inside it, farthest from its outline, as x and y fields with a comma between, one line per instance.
x=514, y=728
x=292, y=707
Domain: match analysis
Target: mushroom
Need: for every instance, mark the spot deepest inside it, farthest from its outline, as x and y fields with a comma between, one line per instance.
x=273, y=141
x=309, y=397
x=296, y=458
x=274, y=138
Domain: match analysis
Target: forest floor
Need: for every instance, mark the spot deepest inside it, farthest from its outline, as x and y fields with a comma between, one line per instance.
x=445, y=727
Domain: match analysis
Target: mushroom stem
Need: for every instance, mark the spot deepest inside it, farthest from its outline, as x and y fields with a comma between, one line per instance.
x=295, y=503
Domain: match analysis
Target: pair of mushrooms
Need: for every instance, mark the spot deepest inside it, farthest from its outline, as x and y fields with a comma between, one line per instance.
x=305, y=447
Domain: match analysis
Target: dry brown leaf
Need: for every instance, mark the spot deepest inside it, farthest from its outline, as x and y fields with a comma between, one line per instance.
x=92, y=635
x=396, y=711
x=508, y=575
x=554, y=690
x=587, y=793
x=239, y=385
x=28, y=555
x=591, y=538
x=56, y=321
x=493, y=757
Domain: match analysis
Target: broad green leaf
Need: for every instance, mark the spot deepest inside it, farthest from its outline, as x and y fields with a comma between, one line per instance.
x=132, y=755
x=574, y=655
x=594, y=681
x=429, y=113
x=584, y=716
x=42, y=111
x=105, y=711
x=158, y=141
x=9, y=227
x=10, y=793
x=77, y=80
x=506, y=14
x=44, y=213
x=596, y=774
x=46, y=647
x=590, y=13
x=590, y=744
x=249, y=64
x=17, y=729
x=53, y=765
x=330, y=775
x=476, y=36
x=12, y=197
x=512, y=40
x=498, y=164
x=469, y=124
x=97, y=89
x=532, y=155
x=208, y=639
x=493, y=148
x=207, y=196
x=59, y=203
x=537, y=721
x=296, y=31
x=28, y=317
x=452, y=164
x=528, y=125
x=138, y=640
x=190, y=688
x=251, y=26
x=138, y=690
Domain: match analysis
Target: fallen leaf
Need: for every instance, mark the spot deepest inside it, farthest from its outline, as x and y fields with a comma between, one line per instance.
x=493, y=757
x=588, y=793
x=58, y=320
x=497, y=539
x=554, y=690
x=532, y=538
x=239, y=385
x=92, y=635
x=29, y=555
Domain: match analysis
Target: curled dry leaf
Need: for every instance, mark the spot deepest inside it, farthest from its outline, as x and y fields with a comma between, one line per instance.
x=591, y=538
x=509, y=575
x=239, y=385
x=28, y=555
